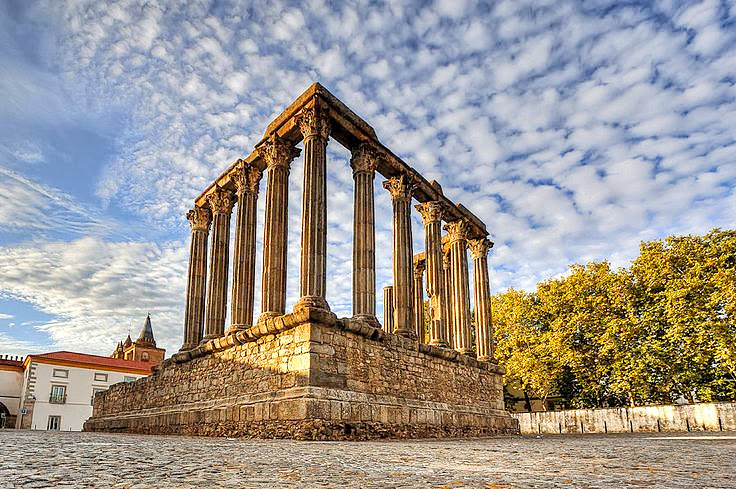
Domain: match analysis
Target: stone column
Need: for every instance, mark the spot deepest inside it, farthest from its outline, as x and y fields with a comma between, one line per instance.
x=364, y=162
x=460, y=287
x=221, y=205
x=314, y=125
x=277, y=154
x=419, y=267
x=388, y=308
x=482, y=292
x=199, y=219
x=438, y=318
x=446, y=305
x=246, y=179
x=400, y=191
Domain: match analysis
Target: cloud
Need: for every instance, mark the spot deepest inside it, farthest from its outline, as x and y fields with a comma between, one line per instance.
x=6, y=316
x=574, y=130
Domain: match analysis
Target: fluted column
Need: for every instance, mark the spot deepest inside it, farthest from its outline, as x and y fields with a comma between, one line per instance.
x=446, y=305
x=419, y=267
x=277, y=154
x=400, y=191
x=438, y=317
x=364, y=162
x=482, y=292
x=388, y=308
x=246, y=179
x=314, y=125
x=460, y=286
x=199, y=219
x=221, y=205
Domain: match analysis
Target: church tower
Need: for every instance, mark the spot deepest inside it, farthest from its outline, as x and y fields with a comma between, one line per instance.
x=143, y=349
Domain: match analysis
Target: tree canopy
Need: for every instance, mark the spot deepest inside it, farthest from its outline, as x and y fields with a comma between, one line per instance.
x=661, y=329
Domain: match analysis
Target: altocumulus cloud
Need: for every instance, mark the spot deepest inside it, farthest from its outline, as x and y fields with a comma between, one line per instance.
x=574, y=130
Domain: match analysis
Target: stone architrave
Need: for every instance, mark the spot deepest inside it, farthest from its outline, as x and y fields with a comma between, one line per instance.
x=388, y=308
x=419, y=267
x=221, y=205
x=446, y=304
x=277, y=153
x=314, y=124
x=246, y=178
x=438, y=319
x=458, y=231
x=482, y=295
x=401, y=193
x=199, y=219
x=364, y=162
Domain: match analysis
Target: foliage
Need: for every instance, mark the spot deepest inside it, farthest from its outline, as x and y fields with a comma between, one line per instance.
x=599, y=337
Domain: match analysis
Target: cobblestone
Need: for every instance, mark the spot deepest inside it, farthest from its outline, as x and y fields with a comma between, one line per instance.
x=80, y=460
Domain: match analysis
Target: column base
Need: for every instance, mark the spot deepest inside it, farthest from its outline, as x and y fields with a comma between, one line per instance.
x=406, y=333
x=439, y=343
x=367, y=318
x=187, y=347
x=311, y=302
x=265, y=316
x=485, y=358
x=208, y=337
x=234, y=328
x=466, y=352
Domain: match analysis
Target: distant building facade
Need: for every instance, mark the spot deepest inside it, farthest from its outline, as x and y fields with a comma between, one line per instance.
x=54, y=391
x=11, y=383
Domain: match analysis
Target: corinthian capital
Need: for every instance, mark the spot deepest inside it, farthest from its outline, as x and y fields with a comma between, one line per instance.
x=399, y=187
x=430, y=211
x=479, y=247
x=246, y=178
x=314, y=122
x=457, y=230
x=419, y=267
x=364, y=159
x=220, y=201
x=199, y=218
x=278, y=152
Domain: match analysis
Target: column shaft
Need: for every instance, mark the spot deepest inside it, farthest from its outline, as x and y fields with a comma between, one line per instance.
x=388, y=309
x=419, y=301
x=277, y=153
x=448, y=313
x=314, y=125
x=460, y=289
x=432, y=218
x=364, y=162
x=402, y=255
x=482, y=295
x=221, y=205
x=246, y=180
x=199, y=218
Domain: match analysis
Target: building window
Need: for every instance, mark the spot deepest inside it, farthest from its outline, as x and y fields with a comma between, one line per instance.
x=58, y=394
x=100, y=377
x=61, y=373
x=95, y=391
x=130, y=379
x=54, y=423
x=144, y=356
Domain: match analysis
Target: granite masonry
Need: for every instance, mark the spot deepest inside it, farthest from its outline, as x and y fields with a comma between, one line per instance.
x=305, y=373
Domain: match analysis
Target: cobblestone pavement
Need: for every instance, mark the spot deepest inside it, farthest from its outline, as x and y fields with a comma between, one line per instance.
x=53, y=459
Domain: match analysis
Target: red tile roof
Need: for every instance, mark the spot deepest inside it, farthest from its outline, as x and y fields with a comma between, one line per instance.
x=96, y=360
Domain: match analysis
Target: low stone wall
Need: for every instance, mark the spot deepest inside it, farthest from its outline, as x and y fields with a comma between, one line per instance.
x=670, y=418
x=311, y=379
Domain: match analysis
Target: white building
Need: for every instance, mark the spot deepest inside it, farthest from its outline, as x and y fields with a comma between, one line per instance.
x=11, y=383
x=58, y=387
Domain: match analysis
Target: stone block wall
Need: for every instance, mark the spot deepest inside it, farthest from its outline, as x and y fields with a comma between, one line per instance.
x=667, y=418
x=312, y=380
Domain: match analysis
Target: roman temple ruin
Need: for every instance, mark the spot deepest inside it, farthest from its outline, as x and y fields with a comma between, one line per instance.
x=306, y=373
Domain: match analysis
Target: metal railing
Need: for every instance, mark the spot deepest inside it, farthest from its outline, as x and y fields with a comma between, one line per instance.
x=57, y=399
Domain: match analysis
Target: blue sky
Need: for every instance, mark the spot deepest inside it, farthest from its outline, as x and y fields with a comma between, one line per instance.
x=575, y=130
